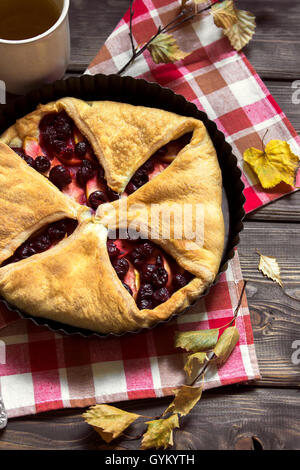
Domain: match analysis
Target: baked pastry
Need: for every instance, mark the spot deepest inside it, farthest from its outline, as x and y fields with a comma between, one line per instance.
x=80, y=242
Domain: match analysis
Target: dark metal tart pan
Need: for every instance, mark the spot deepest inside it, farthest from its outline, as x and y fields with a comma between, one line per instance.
x=138, y=92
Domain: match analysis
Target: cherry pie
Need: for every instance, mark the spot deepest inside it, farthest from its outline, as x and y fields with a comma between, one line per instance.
x=74, y=176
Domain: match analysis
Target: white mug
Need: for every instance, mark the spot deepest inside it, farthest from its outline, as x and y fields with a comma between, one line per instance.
x=29, y=63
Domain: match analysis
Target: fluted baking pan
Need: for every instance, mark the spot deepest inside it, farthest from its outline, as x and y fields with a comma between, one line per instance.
x=139, y=92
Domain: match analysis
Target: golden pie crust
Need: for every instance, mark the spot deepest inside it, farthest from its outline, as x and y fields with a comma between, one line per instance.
x=74, y=282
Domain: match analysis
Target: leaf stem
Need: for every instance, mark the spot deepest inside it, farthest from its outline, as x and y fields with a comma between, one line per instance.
x=173, y=24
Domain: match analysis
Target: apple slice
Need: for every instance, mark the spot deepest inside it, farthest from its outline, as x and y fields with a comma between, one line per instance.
x=93, y=185
x=32, y=147
x=132, y=279
x=158, y=168
x=75, y=192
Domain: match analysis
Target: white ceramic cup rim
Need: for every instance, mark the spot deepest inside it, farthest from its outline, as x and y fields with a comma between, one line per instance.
x=63, y=14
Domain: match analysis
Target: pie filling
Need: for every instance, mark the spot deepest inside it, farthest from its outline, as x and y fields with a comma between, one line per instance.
x=64, y=155
x=149, y=274
x=43, y=239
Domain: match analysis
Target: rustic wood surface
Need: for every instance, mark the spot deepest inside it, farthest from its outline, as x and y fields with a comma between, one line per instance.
x=260, y=415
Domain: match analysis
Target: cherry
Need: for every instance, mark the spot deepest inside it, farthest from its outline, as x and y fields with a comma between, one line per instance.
x=137, y=257
x=80, y=149
x=130, y=188
x=96, y=198
x=148, y=166
x=113, y=195
x=127, y=288
x=144, y=303
x=41, y=243
x=161, y=295
x=60, y=176
x=42, y=164
x=100, y=175
x=139, y=178
x=179, y=281
x=159, y=260
x=25, y=251
x=146, y=249
x=159, y=277
x=63, y=126
x=29, y=160
x=55, y=233
x=146, y=291
x=147, y=271
x=113, y=250
x=121, y=266
x=85, y=173
x=161, y=152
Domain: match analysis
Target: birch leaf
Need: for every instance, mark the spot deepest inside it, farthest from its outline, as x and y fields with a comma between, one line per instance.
x=275, y=164
x=160, y=433
x=226, y=344
x=109, y=422
x=269, y=267
x=185, y=399
x=224, y=14
x=241, y=32
x=164, y=49
x=196, y=341
x=194, y=362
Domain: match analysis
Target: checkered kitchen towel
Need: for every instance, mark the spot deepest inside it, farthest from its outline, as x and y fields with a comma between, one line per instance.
x=45, y=370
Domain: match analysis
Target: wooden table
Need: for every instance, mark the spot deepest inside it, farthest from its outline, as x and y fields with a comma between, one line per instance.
x=264, y=414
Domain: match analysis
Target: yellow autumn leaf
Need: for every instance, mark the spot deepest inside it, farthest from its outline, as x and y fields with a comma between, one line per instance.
x=164, y=49
x=185, y=399
x=269, y=267
x=196, y=341
x=193, y=362
x=224, y=14
x=109, y=422
x=226, y=344
x=277, y=163
x=160, y=433
x=241, y=32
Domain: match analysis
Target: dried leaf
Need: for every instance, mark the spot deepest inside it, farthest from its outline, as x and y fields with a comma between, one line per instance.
x=109, y=421
x=226, y=344
x=196, y=341
x=194, y=362
x=183, y=4
x=270, y=268
x=164, y=49
x=160, y=433
x=277, y=163
x=185, y=399
x=241, y=32
x=224, y=14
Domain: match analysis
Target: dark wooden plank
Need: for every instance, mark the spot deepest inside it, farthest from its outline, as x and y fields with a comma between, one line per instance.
x=91, y=23
x=274, y=311
x=274, y=50
x=231, y=418
x=286, y=209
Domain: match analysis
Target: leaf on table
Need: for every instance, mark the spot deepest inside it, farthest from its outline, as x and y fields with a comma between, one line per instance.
x=275, y=164
x=226, y=344
x=160, y=433
x=164, y=49
x=196, y=341
x=109, y=422
x=194, y=362
x=241, y=32
x=224, y=14
x=269, y=267
x=185, y=399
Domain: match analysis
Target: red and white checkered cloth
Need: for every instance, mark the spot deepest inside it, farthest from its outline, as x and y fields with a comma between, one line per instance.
x=46, y=370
